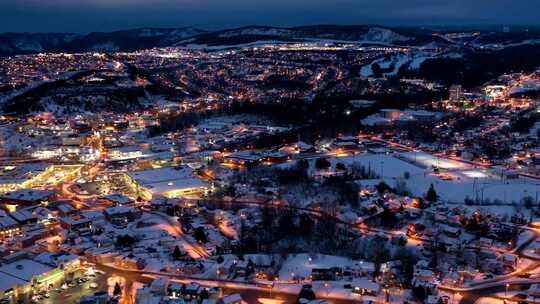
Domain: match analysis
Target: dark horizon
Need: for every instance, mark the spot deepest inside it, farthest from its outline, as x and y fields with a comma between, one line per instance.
x=449, y=27
x=84, y=16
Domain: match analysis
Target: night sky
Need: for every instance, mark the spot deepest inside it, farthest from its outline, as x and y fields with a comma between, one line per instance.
x=107, y=15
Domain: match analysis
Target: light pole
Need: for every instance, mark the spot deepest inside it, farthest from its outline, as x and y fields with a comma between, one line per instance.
x=326, y=287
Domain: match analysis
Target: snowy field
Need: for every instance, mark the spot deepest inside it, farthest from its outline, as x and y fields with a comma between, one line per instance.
x=426, y=160
x=465, y=180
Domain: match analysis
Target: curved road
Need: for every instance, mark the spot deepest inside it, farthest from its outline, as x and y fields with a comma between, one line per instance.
x=249, y=295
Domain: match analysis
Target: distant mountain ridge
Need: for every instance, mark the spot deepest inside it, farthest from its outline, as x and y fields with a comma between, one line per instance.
x=127, y=40
x=345, y=33
x=144, y=38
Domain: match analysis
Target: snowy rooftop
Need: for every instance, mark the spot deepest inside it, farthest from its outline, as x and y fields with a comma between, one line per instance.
x=24, y=269
x=167, y=179
x=28, y=194
x=20, y=173
x=7, y=281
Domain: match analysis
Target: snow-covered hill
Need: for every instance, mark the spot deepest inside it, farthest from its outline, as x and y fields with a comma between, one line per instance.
x=326, y=33
x=27, y=43
x=129, y=40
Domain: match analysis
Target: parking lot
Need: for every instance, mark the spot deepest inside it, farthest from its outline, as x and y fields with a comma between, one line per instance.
x=71, y=293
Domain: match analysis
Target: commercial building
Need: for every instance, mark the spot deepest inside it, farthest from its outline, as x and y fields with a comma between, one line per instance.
x=172, y=182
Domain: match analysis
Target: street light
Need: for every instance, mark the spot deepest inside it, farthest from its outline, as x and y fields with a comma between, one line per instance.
x=506, y=291
x=326, y=287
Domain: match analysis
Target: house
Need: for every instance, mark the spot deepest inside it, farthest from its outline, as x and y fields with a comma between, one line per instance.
x=239, y=268
x=276, y=157
x=124, y=153
x=423, y=275
x=509, y=260
x=346, y=143
x=302, y=147
x=121, y=213
x=243, y=158
x=325, y=274
x=9, y=227
x=363, y=286
x=24, y=216
x=175, y=290
x=62, y=207
x=263, y=265
x=159, y=285
x=146, y=295
x=75, y=223
x=361, y=269
x=26, y=197
x=451, y=231
x=192, y=291
x=116, y=199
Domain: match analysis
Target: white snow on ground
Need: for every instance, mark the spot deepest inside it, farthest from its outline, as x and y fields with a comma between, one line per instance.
x=378, y=34
x=411, y=60
x=397, y=63
x=382, y=164
x=11, y=140
x=486, y=300
x=421, y=57
x=466, y=181
x=299, y=265
x=367, y=70
x=527, y=86
x=417, y=62
x=426, y=160
x=394, y=62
